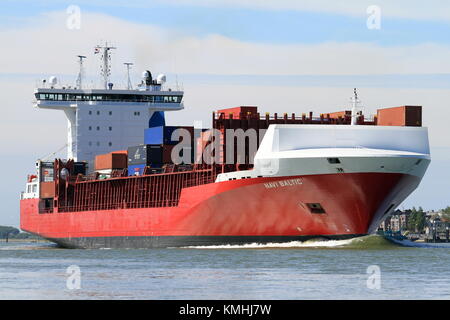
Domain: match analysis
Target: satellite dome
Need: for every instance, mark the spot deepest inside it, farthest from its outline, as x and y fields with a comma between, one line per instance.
x=52, y=80
x=161, y=78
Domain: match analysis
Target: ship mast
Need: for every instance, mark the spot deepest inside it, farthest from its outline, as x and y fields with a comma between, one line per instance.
x=106, y=58
x=355, y=103
x=128, y=64
x=79, y=82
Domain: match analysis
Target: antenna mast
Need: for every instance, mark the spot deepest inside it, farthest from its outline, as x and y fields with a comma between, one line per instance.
x=80, y=74
x=355, y=103
x=128, y=64
x=105, y=69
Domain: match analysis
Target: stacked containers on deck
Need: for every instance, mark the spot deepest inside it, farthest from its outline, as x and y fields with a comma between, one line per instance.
x=148, y=155
x=410, y=116
x=106, y=163
x=159, y=142
x=145, y=155
x=142, y=156
x=111, y=161
x=237, y=112
x=157, y=149
x=163, y=135
x=242, y=117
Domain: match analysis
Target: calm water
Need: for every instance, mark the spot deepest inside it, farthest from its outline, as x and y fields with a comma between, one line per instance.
x=313, y=270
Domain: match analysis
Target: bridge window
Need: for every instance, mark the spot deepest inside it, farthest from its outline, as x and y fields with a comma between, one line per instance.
x=109, y=97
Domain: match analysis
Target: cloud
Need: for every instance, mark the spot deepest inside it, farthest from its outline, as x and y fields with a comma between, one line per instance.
x=47, y=46
x=403, y=9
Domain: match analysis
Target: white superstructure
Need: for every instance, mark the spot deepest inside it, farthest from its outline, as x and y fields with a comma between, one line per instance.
x=105, y=120
x=290, y=150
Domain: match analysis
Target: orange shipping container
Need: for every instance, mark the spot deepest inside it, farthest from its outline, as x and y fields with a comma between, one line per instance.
x=47, y=189
x=238, y=110
x=111, y=160
x=410, y=116
x=121, y=152
x=342, y=114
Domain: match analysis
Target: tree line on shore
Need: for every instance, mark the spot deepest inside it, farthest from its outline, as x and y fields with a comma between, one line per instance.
x=417, y=220
x=14, y=233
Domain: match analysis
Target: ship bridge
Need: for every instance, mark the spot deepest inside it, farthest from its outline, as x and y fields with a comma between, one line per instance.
x=51, y=98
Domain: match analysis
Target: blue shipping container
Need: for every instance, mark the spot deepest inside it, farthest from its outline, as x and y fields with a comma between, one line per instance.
x=136, y=169
x=153, y=135
x=163, y=134
x=158, y=135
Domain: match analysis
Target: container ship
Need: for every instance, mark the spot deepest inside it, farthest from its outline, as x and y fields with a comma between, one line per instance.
x=131, y=181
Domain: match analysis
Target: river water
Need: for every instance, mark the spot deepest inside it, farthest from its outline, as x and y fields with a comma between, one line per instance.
x=363, y=268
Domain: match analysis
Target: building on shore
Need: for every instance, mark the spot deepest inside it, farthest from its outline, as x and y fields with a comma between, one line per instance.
x=436, y=227
x=397, y=222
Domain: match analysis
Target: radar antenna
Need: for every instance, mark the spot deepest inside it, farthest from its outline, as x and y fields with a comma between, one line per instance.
x=79, y=82
x=128, y=64
x=105, y=68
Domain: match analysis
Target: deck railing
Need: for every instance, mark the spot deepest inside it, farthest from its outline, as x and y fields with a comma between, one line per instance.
x=152, y=191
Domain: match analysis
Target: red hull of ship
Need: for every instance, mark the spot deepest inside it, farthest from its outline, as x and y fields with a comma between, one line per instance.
x=239, y=211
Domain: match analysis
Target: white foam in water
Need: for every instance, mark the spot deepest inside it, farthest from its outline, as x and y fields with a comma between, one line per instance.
x=314, y=243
